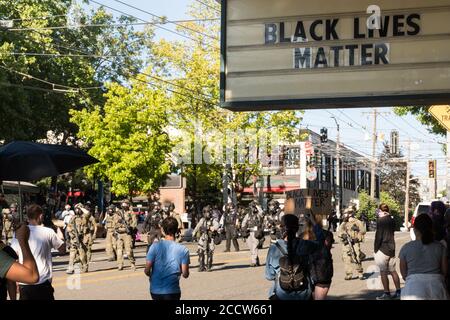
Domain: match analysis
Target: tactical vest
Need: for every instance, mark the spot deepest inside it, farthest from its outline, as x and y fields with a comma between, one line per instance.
x=109, y=223
x=253, y=221
x=230, y=218
x=78, y=226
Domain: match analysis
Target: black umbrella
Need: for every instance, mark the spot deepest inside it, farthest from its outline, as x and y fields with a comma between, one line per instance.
x=27, y=161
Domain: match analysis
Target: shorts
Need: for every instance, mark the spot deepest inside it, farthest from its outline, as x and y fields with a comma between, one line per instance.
x=384, y=262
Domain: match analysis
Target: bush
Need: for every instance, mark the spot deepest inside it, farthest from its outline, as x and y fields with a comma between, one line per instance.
x=367, y=206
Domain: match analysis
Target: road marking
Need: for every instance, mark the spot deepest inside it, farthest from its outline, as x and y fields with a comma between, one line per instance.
x=61, y=281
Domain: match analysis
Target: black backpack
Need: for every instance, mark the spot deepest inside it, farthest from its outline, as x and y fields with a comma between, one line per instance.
x=292, y=277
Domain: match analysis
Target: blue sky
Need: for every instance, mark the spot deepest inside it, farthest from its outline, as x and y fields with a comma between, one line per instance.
x=351, y=121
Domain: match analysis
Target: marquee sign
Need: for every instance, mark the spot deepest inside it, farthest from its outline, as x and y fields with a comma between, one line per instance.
x=298, y=54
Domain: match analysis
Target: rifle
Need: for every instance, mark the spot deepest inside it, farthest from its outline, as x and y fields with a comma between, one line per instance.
x=129, y=228
x=352, y=250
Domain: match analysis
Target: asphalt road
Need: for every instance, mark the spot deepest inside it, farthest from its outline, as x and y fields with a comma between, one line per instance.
x=231, y=278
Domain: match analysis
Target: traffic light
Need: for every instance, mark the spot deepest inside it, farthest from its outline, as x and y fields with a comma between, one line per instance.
x=324, y=135
x=432, y=169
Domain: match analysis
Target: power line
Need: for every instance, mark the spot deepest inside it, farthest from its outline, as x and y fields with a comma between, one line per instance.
x=5, y=84
x=56, y=55
x=164, y=20
x=56, y=87
x=157, y=26
x=147, y=75
x=99, y=25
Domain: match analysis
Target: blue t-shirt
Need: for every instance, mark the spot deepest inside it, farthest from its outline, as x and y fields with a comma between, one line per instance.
x=167, y=258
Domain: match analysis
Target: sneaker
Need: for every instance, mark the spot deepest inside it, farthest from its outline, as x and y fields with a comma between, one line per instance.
x=227, y=250
x=349, y=277
x=396, y=295
x=385, y=296
x=70, y=272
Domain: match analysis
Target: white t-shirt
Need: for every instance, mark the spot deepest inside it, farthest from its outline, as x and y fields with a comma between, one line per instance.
x=42, y=241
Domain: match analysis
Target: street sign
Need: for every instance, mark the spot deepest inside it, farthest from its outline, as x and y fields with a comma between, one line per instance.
x=442, y=114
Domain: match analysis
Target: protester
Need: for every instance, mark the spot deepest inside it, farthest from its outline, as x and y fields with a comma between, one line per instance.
x=437, y=212
x=447, y=244
x=321, y=260
x=287, y=263
x=42, y=240
x=166, y=261
x=25, y=272
x=423, y=264
x=384, y=249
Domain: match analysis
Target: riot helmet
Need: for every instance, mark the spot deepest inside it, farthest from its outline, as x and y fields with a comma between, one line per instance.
x=207, y=212
x=111, y=209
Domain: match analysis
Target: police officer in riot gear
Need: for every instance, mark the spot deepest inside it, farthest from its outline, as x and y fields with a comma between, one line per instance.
x=207, y=229
x=253, y=225
x=229, y=223
x=152, y=224
x=273, y=220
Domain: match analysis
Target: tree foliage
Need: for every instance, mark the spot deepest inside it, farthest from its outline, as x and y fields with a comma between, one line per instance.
x=83, y=57
x=194, y=68
x=129, y=138
x=424, y=117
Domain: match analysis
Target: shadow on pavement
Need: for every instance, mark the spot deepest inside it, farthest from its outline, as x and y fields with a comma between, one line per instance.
x=363, y=295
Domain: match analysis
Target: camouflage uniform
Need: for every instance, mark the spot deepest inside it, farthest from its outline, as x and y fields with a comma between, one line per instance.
x=91, y=234
x=123, y=224
x=206, y=228
x=77, y=230
x=110, y=239
x=352, y=231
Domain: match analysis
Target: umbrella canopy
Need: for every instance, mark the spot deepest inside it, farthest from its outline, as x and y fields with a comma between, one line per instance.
x=27, y=161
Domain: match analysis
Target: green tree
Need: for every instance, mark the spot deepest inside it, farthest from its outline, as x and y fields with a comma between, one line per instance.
x=424, y=117
x=129, y=138
x=194, y=68
x=367, y=206
x=42, y=45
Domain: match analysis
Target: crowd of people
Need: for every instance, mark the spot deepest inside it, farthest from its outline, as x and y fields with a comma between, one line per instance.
x=299, y=262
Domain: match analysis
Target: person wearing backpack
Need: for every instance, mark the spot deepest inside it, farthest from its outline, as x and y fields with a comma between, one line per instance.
x=287, y=263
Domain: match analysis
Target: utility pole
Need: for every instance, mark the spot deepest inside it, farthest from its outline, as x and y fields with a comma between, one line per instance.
x=408, y=174
x=374, y=150
x=338, y=171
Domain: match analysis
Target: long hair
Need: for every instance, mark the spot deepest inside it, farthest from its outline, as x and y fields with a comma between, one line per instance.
x=424, y=225
x=290, y=225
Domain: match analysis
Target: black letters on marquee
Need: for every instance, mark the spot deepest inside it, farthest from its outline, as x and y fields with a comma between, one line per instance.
x=349, y=55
